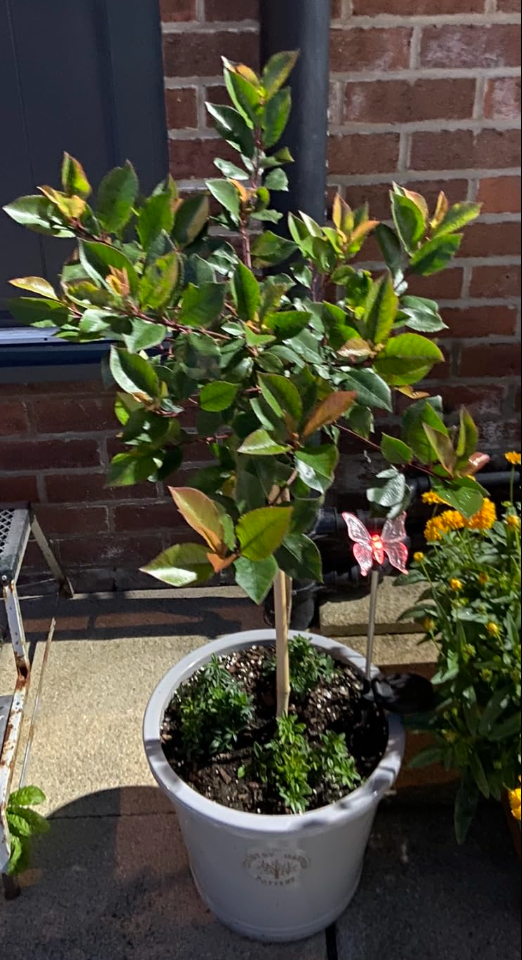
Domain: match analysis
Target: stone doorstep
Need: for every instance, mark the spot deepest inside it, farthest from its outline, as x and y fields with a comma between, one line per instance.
x=349, y=618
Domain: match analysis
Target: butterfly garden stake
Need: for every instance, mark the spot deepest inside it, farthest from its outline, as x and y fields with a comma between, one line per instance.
x=370, y=551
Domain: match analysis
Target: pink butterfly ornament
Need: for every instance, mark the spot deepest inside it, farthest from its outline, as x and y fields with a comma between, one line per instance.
x=372, y=549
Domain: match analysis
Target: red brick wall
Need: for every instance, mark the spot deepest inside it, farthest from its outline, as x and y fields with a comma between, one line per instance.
x=424, y=93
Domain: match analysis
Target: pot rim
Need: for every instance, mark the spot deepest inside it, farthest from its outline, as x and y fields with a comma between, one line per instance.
x=349, y=807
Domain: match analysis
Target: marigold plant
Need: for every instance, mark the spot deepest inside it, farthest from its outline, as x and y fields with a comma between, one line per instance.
x=472, y=611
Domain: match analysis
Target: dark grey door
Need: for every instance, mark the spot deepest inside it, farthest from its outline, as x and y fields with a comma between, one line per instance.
x=84, y=76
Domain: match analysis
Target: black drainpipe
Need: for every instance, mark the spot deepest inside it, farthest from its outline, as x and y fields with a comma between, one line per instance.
x=303, y=25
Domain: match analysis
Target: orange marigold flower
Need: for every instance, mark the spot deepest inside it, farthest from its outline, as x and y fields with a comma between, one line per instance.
x=485, y=518
x=513, y=521
x=514, y=458
x=515, y=800
x=432, y=498
x=456, y=585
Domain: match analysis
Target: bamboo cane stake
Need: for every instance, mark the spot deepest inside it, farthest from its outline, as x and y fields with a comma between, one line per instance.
x=282, y=608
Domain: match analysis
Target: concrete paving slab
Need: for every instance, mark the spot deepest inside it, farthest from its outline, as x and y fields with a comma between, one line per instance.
x=425, y=898
x=393, y=649
x=119, y=888
x=348, y=618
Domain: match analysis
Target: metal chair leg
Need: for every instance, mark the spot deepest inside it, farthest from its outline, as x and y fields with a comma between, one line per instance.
x=64, y=584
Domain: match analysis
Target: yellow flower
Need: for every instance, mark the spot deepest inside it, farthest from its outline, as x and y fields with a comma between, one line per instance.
x=484, y=579
x=456, y=585
x=433, y=531
x=485, y=518
x=429, y=625
x=419, y=557
x=432, y=498
x=487, y=675
x=444, y=523
x=450, y=736
x=515, y=801
x=514, y=458
x=493, y=629
x=513, y=521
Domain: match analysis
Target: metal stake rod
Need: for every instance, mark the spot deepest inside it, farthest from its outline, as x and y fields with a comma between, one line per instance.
x=371, y=622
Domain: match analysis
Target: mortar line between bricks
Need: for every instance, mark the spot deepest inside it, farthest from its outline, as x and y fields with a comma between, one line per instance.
x=415, y=48
x=200, y=11
x=427, y=20
x=205, y=27
x=425, y=126
x=419, y=175
x=427, y=73
x=480, y=98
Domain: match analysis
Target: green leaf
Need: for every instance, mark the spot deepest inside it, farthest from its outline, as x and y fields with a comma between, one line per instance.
x=421, y=315
x=466, y=807
x=159, y=282
x=277, y=180
x=468, y=436
x=233, y=128
x=276, y=116
x=261, y=532
x=390, y=489
x=466, y=496
x=99, y=259
x=395, y=451
x=204, y=515
x=245, y=96
x=425, y=411
x=381, y=310
x=434, y=256
x=18, y=857
x=230, y=170
x=126, y=469
x=144, y=335
x=331, y=409
x=317, y=467
x=156, y=216
x=191, y=219
x=498, y=704
x=277, y=71
x=409, y=221
x=391, y=248
x=35, y=824
x=246, y=292
x=185, y=565
x=74, y=178
x=288, y=323
x=338, y=328
x=261, y=444
x=133, y=373
x=27, y=797
x=443, y=447
x=35, y=285
x=218, y=396
x=406, y=359
x=269, y=249
x=116, y=198
x=300, y=558
x=458, y=217
x=362, y=421
x=34, y=310
x=371, y=389
x=35, y=213
x=426, y=758
x=282, y=396
x=477, y=769
x=227, y=195
x=203, y=305
x=508, y=730
x=256, y=579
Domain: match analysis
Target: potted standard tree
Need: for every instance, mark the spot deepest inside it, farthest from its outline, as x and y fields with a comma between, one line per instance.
x=269, y=745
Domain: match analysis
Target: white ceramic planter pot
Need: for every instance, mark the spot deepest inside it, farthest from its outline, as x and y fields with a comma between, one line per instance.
x=273, y=878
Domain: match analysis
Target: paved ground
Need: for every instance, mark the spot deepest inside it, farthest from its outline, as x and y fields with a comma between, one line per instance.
x=111, y=882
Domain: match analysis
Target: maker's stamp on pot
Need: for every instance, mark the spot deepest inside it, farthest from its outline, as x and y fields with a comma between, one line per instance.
x=276, y=868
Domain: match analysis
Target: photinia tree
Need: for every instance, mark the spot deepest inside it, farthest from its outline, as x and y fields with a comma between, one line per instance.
x=262, y=368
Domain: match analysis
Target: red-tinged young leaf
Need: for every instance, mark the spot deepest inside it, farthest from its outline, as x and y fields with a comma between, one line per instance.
x=74, y=178
x=35, y=285
x=185, y=565
x=329, y=411
x=443, y=447
x=202, y=514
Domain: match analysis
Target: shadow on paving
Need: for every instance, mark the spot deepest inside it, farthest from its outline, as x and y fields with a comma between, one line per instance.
x=118, y=887
x=111, y=617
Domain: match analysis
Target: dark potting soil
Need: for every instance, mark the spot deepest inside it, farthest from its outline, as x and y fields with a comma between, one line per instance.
x=336, y=704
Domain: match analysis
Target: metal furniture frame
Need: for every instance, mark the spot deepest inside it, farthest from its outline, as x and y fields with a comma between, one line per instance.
x=16, y=526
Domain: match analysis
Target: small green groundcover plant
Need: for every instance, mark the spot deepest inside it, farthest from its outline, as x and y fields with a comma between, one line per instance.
x=24, y=825
x=471, y=609
x=265, y=370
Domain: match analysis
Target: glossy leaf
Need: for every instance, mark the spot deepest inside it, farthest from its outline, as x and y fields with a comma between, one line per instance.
x=391, y=248
x=424, y=412
x=245, y=94
x=464, y=495
x=381, y=310
x=278, y=70
x=435, y=255
x=256, y=579
x=202, y=306
x=389, y=491
x=421, y=315
x=116, y=198
x=396, y=451
x=156, y=216
x=74, y=178
x=144, y=335
x=443, y=447
x=261, y=532
x=127, y=469
x=191, y=220
x=276, y=116
x=246, y=293
x=27, y=797
x=371, y=389
x=159, y=282
x=134, y=374
x=261, y=444
x=316, y=467
x=468, y=436
x=406, y=359
x=101, y=260
x=185, y=565
x=35, y=285
x=409, y=221
x=329, y=411
x=269, y=249
x=287, y=324
x=457, y=217
x=277, y=180
x=32, y=310
x=300, y=558
x=233, y=128
x=219, y=396
x=282, y=396
x=35, y=213
x=201, y=513
x=226, y=194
